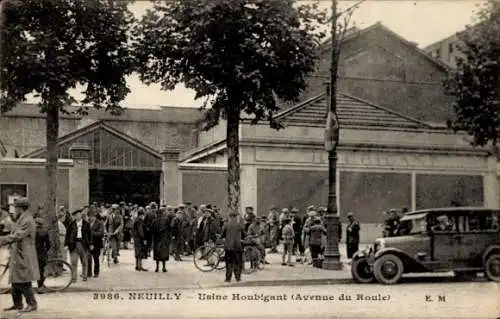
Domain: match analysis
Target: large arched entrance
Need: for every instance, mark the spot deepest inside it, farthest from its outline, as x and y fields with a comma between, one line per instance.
x=121, y=168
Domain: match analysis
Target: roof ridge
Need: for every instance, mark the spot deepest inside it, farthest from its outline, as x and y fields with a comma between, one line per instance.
x=385, y=109
x=97, y=124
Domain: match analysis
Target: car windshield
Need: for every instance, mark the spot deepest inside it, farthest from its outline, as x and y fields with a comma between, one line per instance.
x=410, y=226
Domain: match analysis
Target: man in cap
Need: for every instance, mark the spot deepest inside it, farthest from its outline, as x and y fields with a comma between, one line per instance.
x=391, y=223
x=185, y=229
x=298, y=246
x=23, y=263
x=288, y=236
x=78, y=242
x=233, y=232
x=114, y=226
x=96, y=236
x=352, y=235
x=249, y=216
x=273, y=220
x=42, y=244
x=176, y=228
x=315, y=234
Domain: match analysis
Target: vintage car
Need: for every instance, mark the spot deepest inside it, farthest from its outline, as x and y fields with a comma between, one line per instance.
x=465, y=240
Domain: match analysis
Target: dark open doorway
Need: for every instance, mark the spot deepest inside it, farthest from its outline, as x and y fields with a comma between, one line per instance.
x=113, y=186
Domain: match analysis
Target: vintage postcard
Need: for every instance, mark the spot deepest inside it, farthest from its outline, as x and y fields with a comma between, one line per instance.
x=249, y=159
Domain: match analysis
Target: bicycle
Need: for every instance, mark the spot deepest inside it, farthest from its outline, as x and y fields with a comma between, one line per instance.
x=58, y=275
x=254, y=258
x=209, y=257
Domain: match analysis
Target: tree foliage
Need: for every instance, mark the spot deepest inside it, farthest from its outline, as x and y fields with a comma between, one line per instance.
x=49, y=47
x=475, y=84
x=236, y=54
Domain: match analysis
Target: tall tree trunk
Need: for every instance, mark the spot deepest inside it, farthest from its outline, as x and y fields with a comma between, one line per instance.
x=52, y=154
x=233, y=160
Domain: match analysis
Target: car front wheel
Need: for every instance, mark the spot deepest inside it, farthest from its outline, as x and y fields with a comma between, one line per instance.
x=388, y=269
x=492, y=267
x=361, y=271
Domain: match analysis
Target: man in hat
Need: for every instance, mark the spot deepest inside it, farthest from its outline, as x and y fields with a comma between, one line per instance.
x=273, y=220
x=114, y=226
x=96, y=236
x=352, y=235
x=23, y=263
x=249, y=217
x=78, y=242
x=288, y=236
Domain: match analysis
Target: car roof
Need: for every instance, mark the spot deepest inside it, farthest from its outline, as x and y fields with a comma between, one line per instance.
x=478, y=209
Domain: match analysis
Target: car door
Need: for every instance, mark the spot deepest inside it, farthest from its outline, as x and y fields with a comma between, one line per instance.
x=446, y=241
x=478, y=233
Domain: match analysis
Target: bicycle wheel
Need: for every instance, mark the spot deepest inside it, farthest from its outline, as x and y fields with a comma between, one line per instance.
x=4, y=278
x=250, y=259
x=222, y=258
x=205, y=258
x=58, y=275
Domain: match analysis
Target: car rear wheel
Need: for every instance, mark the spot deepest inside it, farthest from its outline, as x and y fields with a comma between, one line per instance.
x=388, y=269
x=492, y=267
x=361, y=271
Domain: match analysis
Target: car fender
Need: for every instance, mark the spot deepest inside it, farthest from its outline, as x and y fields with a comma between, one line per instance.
x=489, y=250
x=363, y=253
x=405, y=258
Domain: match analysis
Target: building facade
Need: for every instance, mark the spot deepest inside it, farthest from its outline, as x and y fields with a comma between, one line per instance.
x=394, y=149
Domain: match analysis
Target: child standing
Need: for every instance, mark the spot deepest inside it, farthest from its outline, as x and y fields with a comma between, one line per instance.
x=288, y=239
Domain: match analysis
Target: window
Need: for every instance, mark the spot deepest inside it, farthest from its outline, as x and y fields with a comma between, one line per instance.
x=441, y=223
x=482, y=221
x=450, y=47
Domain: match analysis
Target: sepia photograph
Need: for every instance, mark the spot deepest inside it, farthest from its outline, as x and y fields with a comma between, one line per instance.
x=250, y=159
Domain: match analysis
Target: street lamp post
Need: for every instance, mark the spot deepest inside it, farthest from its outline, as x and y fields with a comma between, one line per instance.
x=332, y=255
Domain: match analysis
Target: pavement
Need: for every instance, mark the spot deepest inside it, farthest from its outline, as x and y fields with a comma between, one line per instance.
x=413, y=300
x=183, y=274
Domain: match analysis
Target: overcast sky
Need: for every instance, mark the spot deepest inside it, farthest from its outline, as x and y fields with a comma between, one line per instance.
x=421, y=21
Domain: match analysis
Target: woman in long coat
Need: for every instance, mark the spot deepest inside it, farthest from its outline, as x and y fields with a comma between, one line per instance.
x=140, y=240
x=161, y=238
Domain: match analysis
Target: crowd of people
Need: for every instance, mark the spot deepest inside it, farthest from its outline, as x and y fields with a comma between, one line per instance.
x=161, y=231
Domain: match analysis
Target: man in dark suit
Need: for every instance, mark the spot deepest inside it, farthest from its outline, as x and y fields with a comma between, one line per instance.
x=114, y=227
x=78, y=242
x=352, y=235
x=96, y=235
x=233, y=232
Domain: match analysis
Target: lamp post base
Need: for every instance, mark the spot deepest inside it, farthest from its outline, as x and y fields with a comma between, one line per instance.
x=332, y=263
x=332, y=254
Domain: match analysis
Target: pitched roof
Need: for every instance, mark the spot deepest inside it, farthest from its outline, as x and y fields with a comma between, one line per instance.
x=162, y=114
x=357, y=33
x=351, y=111
x=92, y=127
